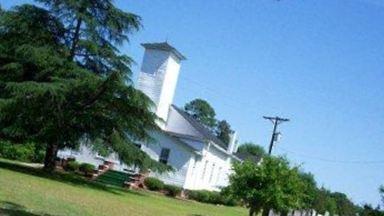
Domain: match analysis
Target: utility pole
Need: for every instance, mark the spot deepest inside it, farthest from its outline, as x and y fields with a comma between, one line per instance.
x=276, y=121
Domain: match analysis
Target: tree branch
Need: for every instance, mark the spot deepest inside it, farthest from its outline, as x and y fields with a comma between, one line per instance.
x=75, y=39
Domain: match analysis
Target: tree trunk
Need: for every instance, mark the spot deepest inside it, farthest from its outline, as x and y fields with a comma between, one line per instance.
x=251, y=211
x=75, y=39
x=265, y=212
x=50, y=156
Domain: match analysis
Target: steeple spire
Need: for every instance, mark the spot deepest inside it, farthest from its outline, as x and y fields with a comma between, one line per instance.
x=159, y=74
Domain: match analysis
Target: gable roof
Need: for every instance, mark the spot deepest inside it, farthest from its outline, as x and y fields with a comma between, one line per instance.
x=177, y=137
x=186, y=136
x=165, y=47
x=205, y=132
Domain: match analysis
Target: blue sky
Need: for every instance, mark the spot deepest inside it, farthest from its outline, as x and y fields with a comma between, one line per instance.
x=319, y=63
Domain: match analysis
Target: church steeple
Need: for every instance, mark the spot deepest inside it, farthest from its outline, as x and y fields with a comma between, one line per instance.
x=159, y=74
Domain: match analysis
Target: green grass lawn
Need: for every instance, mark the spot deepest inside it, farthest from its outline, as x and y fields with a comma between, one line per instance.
x=27, y=191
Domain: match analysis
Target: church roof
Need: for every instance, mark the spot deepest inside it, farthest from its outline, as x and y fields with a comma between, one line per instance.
x=178, y=136
x=165, y=47
x=204, y=131
x=186, y=136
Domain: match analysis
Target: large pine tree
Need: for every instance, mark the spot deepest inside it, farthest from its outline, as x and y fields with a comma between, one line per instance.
x=63, y=81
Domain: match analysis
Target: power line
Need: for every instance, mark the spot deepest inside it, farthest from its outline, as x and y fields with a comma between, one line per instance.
x=212, y=91
x=230, y=102
x=202, y=92
x=214, y=94
x=333, y=160
x=239, y=104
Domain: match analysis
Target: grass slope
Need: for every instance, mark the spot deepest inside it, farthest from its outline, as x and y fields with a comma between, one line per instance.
x=29, y=192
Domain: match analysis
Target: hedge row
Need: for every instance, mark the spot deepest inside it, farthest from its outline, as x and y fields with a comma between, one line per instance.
x=172, y=190
x=155, y=184
x=75, y=166
x=204, y=196
x=28, y=152
x=211, y=197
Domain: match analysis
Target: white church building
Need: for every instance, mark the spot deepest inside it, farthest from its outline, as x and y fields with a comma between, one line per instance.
x=199, y=159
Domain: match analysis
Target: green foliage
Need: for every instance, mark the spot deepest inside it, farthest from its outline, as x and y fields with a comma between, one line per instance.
x=63, y=81
x=154, y=184
x=72, y=166
x=224, y=131
x=324, y=202
x=200, y=195
x=335, y=203
x=344, y=206
x=227, y=197
x=251, y=151
x=202, y=111
x=172, y=190
x=270, y=185
x=368, y=210
x=212, y=197
x=87, y=168
x=309, y=190
x=94, y=28
x=28, y=152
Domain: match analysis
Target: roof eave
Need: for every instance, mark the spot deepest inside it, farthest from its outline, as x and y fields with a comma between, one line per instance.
x=165, y=47
x=220, y=148
x=193, y=150
x=200, y=128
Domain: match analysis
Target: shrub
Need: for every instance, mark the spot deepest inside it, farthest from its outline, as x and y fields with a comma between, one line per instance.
x=229, y=201
x=199, y=195
x=39, y=155
x=72, y=166
x=87, y=168
x=227, y=198
x=215, y=198
x=26, y=152
x=211, y=197
x=154, y=184
x=172, y=190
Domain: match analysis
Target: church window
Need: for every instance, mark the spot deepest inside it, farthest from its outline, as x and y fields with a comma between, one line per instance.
x=212, y=171
x=204, y=170
x=164, y=155
x=218, y=175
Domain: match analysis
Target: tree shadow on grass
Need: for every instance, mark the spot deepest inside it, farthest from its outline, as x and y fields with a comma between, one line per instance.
x=67, y=178
x=13, y=209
